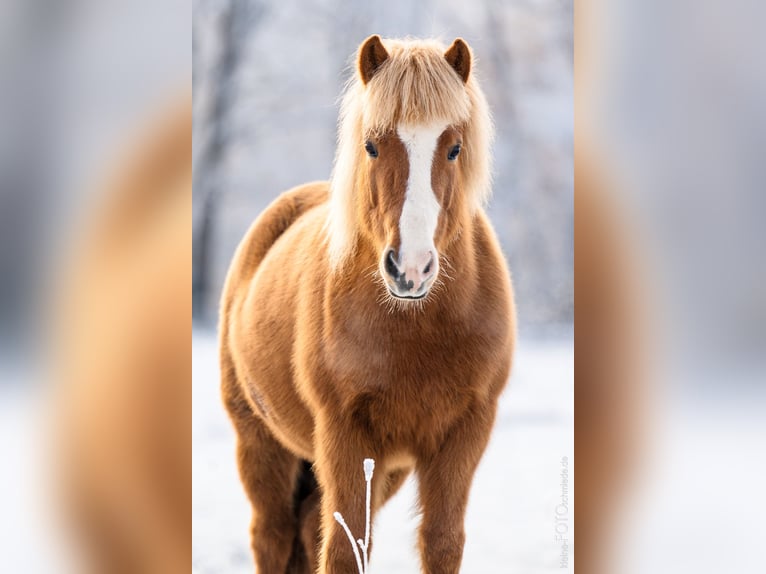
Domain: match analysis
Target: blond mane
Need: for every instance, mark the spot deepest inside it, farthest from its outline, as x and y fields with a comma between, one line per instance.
x=414, y=86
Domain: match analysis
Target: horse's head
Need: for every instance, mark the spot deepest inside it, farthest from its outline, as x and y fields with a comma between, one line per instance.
x=416, y=128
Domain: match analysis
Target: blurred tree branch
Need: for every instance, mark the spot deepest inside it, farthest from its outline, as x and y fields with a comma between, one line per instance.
x=237, y=20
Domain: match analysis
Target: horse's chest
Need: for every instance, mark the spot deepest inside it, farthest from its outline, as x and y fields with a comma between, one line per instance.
x=399, y=365
x=407, y=414
x=403, y=387
x=406, y=378
x=397, y=347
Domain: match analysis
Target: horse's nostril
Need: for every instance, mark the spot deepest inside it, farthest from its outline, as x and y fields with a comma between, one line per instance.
x=430, y=265
x=391, y=268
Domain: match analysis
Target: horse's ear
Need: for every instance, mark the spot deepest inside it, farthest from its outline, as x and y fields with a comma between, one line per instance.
x=459, y=57
x=371, y=55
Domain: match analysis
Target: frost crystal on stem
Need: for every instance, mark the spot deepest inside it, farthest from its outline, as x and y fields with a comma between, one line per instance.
x=361, y=561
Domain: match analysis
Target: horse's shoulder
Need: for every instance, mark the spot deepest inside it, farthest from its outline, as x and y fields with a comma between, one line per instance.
x=495, y=296
x=487, y=247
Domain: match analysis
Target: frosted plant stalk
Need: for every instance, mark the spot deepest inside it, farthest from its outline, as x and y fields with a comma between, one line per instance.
x=339, y=517
x=369, y=468
x=361, y=563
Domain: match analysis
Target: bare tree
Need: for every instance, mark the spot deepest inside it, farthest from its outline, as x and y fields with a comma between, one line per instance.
x=236, y=20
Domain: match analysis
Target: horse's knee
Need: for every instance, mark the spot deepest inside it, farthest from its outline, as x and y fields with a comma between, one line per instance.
x=309, y=524
x=442, y=549
x=272, y=539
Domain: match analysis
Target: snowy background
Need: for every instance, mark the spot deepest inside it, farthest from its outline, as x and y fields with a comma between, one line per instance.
x=511, y=522
x=266, y=79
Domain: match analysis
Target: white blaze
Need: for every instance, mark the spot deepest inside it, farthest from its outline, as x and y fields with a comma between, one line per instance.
x=420, y=213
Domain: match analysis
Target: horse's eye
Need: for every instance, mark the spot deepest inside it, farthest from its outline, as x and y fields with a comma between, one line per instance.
x=453, y=153
x=372, y=151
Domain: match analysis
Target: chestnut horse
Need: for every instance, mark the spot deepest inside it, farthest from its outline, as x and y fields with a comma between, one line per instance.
x=372, y=316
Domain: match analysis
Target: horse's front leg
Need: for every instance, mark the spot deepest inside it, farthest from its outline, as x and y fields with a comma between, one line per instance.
x=445, y=480
x=341, y=449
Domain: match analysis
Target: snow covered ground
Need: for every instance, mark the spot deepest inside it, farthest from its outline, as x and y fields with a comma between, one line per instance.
x=514, y=513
